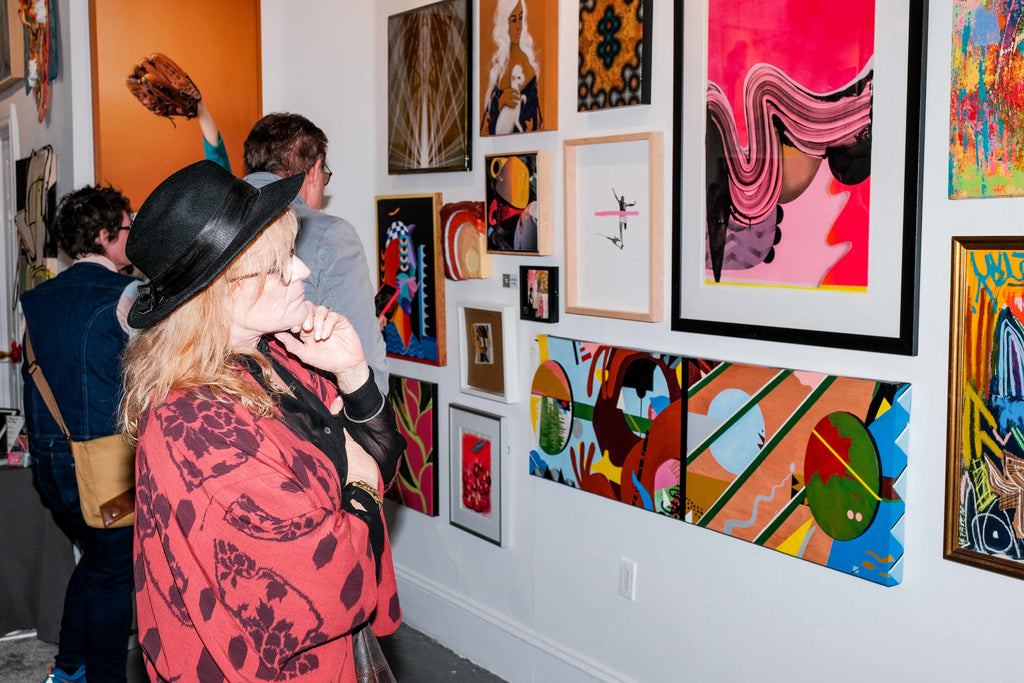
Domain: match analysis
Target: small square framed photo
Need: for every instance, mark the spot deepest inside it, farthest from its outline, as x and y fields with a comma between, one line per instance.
x=487, y=351
x=538, y=293
x=477, y=443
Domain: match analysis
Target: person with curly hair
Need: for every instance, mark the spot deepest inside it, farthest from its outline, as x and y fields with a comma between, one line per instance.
x=77, y=323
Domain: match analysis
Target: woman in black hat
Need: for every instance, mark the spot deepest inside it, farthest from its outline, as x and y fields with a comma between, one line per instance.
x=260, y=544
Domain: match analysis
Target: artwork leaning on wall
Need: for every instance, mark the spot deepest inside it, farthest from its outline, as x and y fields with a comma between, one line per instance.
x=804, y=463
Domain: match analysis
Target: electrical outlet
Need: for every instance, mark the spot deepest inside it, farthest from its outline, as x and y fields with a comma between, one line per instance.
x=627, y=578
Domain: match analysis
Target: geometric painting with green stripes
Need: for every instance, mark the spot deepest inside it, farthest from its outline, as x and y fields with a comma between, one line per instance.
x=807, y=464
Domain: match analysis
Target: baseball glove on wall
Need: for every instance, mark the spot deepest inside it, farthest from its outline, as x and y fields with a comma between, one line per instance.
x=163, y=87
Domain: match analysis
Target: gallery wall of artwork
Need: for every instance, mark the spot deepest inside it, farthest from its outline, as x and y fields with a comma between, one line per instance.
x=548, y=591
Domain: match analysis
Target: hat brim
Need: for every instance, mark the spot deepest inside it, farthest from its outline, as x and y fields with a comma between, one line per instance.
x=272, y=200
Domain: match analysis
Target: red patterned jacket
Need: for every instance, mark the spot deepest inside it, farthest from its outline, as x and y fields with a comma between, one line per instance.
x=247, y=568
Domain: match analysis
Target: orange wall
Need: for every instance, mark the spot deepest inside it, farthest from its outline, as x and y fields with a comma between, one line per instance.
x=217, y=44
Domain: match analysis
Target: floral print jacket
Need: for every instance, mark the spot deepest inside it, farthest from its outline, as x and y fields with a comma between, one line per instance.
x=251, y=564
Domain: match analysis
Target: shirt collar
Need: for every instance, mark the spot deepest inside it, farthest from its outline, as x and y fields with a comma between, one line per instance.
x=98, y=259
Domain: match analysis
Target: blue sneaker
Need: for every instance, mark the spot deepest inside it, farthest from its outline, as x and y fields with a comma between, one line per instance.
x=58, y=675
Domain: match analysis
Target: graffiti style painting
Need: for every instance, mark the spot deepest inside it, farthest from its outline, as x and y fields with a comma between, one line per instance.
x=609, y=421
x=518, y=66
x=518, y=203
x=409, y=258
x=615, y=54
x=475, y=486
x=807, y=464
x=428, y=88
x=415, y=406
x=984, y=524
x=788, y=149
x=465, y=241
x=986, y=131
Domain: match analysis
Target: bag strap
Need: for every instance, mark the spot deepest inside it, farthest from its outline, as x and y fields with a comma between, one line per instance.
x=43, y=386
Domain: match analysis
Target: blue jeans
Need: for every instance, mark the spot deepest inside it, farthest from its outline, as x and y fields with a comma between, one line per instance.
x=97, y=615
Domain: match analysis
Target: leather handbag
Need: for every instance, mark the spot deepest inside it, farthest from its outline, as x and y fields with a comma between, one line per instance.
x=371, y=666
x=104, y=467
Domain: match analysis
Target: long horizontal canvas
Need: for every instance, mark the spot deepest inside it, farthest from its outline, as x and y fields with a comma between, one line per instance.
x=805, y=463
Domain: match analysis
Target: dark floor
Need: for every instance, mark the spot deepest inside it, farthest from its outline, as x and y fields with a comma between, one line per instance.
x=413, y=656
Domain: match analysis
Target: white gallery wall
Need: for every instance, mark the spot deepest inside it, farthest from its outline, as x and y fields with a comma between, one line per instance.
x=708, y=608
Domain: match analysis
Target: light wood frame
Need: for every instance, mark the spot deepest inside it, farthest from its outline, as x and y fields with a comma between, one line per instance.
x=654, y=309
x=545, y=171
x=12, y=42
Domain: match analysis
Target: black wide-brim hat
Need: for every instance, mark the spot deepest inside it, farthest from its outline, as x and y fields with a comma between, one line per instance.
x=191, y=227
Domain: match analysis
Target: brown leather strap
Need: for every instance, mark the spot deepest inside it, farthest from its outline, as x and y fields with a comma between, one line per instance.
x=43, y=386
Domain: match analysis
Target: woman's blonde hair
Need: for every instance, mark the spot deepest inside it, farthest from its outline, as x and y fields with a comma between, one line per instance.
x=190, y=349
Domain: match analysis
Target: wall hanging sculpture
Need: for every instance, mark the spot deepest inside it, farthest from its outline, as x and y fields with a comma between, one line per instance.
x=809, y=215
x=804, y=463
x=428, y=88
x=415, y=405
x=518, y=66
x=409, y=259
x=984, y=524
x=464, y=236
x=615, y=54
x=986, y=100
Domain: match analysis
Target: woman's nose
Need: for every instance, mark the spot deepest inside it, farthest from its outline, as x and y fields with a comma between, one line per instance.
x=300, y=271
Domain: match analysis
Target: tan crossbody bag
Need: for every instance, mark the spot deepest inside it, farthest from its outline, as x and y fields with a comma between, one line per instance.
x=104, y=467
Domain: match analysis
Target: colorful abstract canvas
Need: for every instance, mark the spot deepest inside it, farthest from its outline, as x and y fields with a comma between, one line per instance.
x=807, y=464
x=518, y=66
x=986, y=130
x=519, y=203
x=615, y=54
x=409, y=258
x=538, y=293
x=429, y=88
x=609, y=421
x=415, y=406
x=789, y=143
x=985, y=469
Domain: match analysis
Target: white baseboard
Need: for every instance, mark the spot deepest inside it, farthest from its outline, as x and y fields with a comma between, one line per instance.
x=584, y=667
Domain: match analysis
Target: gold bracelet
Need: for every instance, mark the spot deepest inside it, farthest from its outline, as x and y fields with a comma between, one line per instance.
x=372, y=490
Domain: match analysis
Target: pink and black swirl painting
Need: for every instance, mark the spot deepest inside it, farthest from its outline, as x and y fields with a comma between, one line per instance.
x=788, y=147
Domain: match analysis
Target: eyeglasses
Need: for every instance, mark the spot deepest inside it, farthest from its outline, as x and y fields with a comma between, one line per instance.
x=286, y=273
x=325, y=172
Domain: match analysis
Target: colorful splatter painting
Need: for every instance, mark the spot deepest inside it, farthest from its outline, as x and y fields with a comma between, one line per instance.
x=807, y=464
x=986, y=130
x=409, y=258
x=609, y=421
x=429, y=88
x=788, y=146
x=615, y=54
x=985, y=470
x=415, y=406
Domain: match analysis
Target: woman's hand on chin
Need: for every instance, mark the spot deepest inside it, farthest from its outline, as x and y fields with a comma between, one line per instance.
x=327, y=341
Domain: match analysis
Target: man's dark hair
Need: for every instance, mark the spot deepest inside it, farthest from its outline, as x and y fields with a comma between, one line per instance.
x=284, y=144
x=83, y=214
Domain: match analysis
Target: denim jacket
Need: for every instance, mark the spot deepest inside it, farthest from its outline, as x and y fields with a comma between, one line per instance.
x=78, y=343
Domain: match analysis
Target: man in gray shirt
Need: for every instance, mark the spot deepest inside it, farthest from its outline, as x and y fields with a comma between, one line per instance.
x=282, y=145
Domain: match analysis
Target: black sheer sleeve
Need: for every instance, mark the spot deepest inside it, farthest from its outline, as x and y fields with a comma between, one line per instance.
x=370, y=421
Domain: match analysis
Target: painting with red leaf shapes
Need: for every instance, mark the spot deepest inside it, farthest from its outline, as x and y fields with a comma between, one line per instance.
x=415, y=405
